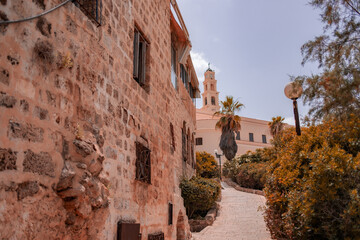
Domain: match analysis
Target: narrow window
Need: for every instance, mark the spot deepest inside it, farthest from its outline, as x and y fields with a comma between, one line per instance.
x=184, y=76
x=212, y=100
x=212, y=87
x=170, y=222
x=172, y=139
x=199, y=141
x=206, y=101
x=192, y=151
x=206, y=87
x=251, y=137
x=143, y=164
x=173, y=67
x=140, y=46
x=264, y=138
x=184, y=142
x=188, y=141
x=238, y=135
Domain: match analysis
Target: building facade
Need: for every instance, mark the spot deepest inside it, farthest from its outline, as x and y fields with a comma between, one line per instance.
x=254, y=133
x=97, y=120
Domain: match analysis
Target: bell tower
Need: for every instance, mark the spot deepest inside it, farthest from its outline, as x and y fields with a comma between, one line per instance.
x=210, y=95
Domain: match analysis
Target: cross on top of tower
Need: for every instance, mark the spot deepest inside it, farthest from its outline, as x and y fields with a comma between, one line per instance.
x=209, y=69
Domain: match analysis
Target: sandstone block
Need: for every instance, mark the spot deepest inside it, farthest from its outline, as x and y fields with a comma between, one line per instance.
x=84, y=148
x=7, y=159
x=26, y=189
x=39, y=163
x=4, y=76
x=72, y=192
x=7, y=101
x=67, y=175
x=25, y=131
x=95, y=167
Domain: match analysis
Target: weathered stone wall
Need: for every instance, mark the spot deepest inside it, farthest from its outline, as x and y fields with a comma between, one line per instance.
x=70, y=114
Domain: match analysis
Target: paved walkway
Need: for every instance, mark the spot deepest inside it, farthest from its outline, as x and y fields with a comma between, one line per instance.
x=240, y=218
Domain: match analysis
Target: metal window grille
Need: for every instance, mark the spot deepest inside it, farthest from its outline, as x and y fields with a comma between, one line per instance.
x=143, y=163
x=91, y=8
x=156, y=236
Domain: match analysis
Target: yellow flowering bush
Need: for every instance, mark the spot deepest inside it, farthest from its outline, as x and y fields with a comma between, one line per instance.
x=314, y=182
x=206, y=165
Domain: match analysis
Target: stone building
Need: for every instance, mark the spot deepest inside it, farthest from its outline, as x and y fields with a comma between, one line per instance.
x=254, y=133
x=97, y=119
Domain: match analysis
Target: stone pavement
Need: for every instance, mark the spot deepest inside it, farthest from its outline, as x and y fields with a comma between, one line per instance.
x=240, y=218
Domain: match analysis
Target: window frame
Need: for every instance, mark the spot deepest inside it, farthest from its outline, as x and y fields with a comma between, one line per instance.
x=251, y=137
x=264, y=140
x=143, y=163
x=140, y=52
x=199, y=141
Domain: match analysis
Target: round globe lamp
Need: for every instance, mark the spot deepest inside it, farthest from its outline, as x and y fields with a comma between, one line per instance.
x=293, y=91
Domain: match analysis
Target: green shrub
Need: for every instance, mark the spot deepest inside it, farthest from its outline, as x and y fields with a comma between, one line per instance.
x=252, y=175
x=199, y=195
x=314, y=183
x=206, y=165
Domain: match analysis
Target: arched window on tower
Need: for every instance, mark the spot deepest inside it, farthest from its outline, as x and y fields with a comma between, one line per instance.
x=212, y=87
x=205, y=87
x=205, y=101
x=212, y=100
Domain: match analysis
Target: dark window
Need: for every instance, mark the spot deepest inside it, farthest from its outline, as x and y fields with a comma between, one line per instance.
x=172, y=139
x=251, y=137
x=264, y=138
x=143, y=163
x=192, y=151
x=206, y=87
x=128, y=231
x=91, y=8
x=199, y=141
x=140, y=46
x=170, y=222
x=238, y=135
x=205, y=101
x=212, y=87
x=184, y=142
x=156, y=236
x=212, y=100
x=173, y=67
x=184, y=76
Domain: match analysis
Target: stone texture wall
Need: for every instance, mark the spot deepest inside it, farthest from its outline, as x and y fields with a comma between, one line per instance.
x=70, y=114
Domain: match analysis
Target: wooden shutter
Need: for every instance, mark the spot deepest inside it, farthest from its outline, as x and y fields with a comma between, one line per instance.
x=136, y=55
x=143, y=63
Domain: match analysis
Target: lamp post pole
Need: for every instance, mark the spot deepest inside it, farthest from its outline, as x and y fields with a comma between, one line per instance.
x=293, y=91
x=219, y=157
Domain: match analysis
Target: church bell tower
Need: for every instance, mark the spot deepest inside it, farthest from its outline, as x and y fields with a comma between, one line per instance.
x=210, y=96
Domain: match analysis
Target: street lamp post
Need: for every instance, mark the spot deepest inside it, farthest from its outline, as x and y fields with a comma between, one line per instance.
x=293, y=91
x=219, y=157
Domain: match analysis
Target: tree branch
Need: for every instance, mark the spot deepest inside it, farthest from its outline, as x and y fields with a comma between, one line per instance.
x=352, y=7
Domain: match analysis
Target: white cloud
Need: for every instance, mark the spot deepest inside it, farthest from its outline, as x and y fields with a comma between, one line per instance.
x=201, y=64
x=290, y=120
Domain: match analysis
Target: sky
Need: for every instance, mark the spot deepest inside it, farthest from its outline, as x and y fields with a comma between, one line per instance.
x=253, y=46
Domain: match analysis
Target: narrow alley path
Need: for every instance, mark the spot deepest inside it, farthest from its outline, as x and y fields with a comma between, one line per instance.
x=239, y=218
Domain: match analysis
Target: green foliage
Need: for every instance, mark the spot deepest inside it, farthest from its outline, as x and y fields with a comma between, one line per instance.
x=206, y=165
x=252, y=175
x=314, y=181
x=249, y=169
x=335, y=91
x=199, y=194
x=229, y=123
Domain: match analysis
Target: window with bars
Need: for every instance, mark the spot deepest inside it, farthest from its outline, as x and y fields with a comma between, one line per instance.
x=91, y=8
x=143, y=163
x=264, y=139
x=251, y=137
x=139, y=61
x=198, y=141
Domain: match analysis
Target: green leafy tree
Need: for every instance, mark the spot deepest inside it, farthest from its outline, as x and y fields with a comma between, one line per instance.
x=335, y=92
x=229, y=123
x=206, y=165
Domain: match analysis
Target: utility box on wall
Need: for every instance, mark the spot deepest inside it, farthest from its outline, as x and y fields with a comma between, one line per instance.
x=128, y=231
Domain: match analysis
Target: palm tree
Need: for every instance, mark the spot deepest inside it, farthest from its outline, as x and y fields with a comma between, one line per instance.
x=276, y=125
x=229, y=123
